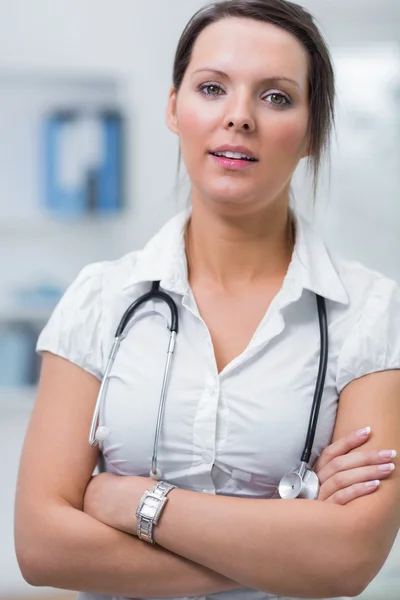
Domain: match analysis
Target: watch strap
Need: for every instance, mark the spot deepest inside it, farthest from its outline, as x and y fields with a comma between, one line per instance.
x=150, y=509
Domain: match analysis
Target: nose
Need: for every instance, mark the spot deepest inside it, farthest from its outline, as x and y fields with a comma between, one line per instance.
x=239, y=116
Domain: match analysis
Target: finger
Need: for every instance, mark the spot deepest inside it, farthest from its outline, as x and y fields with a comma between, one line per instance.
x=357, y=490
x=346, y=479
x=342, y=446
x=355, y=460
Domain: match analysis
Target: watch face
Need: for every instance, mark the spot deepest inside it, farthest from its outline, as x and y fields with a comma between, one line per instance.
x=149, y=508
x=149, y=511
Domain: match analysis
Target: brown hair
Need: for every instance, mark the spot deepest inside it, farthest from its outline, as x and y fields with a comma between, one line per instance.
x=300, y=23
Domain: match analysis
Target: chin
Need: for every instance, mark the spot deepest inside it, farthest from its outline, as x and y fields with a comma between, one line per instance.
x=237, y=197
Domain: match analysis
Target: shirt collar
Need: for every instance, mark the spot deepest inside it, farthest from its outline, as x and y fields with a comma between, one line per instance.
x=163, y=259
x=312, y=265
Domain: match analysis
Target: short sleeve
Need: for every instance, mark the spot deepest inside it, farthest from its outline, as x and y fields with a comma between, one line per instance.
x=373, y=344
x=74, y=330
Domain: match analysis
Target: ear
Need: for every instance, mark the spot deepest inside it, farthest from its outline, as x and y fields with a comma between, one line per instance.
x=170, y=116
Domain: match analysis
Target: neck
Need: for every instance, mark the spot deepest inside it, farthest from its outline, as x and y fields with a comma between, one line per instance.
x=233, y=252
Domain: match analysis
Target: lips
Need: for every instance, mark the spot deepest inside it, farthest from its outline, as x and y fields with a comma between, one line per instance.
x=233, y=164
x=235, y=152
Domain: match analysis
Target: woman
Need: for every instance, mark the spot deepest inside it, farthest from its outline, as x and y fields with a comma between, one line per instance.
x=252, y=95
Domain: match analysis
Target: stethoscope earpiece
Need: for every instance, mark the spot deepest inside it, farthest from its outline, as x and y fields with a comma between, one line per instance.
x=102, y=433
x=156, y=475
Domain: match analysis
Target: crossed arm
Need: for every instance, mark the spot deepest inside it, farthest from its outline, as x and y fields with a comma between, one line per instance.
x=295, y=548
x=331, y=549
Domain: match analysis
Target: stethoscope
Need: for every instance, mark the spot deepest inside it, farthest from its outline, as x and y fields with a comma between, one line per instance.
x=301, y=483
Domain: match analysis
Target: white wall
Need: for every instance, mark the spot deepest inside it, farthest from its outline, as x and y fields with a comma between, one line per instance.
x=132, y=38
x=137, y=40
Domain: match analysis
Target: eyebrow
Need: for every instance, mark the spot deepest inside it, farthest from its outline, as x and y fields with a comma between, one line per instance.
x=267, y=80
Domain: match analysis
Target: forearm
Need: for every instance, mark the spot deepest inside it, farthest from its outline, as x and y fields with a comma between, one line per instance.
x=70, y=550
x=290, y=548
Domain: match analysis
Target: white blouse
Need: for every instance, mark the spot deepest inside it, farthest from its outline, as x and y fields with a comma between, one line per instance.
x=240, y=431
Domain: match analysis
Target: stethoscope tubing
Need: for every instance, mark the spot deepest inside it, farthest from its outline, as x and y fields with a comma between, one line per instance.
x=320, y=384
x=156, y=294
x=93, y=441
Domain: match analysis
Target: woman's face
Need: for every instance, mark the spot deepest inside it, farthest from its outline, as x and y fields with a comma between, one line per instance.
x=236, y=92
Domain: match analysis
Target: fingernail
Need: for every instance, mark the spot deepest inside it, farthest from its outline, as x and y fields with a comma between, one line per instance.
x=364, y=432
x=388, y=453
x=371, y=484
x=387, y=467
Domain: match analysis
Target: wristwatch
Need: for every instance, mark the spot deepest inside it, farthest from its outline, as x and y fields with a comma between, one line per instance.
x=150, y=508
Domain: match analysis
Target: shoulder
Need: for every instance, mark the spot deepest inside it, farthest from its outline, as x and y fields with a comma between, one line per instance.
x=110, y=274
x=372, y=322
x=366, y=288
x=102, y=281
x=78, y=326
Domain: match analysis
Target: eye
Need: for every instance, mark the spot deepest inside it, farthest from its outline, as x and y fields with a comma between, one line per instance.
x=210, y=89
x=279, y=100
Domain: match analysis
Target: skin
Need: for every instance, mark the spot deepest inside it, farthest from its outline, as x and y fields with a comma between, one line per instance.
x=238, y=245
x=77, y=532
x=238, y=253
x=239, y=109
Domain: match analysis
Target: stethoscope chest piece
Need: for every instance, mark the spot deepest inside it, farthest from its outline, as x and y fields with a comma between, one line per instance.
x=302, y=483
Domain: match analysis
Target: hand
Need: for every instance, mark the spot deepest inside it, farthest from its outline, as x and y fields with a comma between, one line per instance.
x=113, y=499
x=345, y=476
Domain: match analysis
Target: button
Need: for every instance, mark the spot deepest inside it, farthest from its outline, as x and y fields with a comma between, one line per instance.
x=207, y=457
x=212, y=390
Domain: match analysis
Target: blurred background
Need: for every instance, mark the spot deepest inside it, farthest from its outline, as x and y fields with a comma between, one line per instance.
x=88, y=167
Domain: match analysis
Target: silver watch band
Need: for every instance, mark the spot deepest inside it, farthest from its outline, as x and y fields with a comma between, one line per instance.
x=150, y=508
